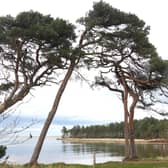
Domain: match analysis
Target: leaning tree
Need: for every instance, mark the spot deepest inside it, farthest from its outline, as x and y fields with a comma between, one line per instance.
x=108, y=37
x=33, y=51
x=122, y=53
x=69, y=57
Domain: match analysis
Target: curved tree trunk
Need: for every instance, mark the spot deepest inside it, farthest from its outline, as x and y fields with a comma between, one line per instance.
x=51, y=115
x=13, y=99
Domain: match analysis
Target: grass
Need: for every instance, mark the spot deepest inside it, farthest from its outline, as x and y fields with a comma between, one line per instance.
x=138, y=164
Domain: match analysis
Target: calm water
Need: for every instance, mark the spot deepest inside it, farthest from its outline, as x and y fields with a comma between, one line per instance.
x=58, y=151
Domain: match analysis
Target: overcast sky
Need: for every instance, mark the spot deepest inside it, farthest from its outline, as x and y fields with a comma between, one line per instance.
x=80, y=104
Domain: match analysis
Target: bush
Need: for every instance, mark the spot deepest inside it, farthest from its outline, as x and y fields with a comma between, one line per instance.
x=2, y=151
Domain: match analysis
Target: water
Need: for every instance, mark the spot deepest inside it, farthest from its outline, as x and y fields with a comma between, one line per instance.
x=57, y=151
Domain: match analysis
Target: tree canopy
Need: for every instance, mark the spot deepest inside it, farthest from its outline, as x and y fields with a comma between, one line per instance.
x=127, y=62
x=32, y=47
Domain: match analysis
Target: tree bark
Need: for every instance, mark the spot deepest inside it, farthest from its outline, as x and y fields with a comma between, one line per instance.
x=10, y=101
x=126, y=125
x=133, y=154
x=51, y=115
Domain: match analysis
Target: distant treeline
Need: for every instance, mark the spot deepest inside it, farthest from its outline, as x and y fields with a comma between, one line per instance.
x=144, y=128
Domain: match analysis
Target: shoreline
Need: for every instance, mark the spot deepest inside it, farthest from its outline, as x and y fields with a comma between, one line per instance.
x=113, y=140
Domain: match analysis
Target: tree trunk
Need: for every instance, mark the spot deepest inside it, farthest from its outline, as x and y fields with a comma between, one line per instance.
x=126, y=125
x=132, y=141
x=13, y=99
x=51, y=115
x=133, y=154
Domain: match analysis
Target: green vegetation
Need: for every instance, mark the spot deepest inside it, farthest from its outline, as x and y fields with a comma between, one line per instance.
x=2, y=151
x=151, y=128
x=151, y=164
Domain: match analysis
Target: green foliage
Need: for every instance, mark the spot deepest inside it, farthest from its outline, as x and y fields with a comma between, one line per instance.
x=6, y=86
x=32, y=47
x=158, y=74
x=151, y=128
x=158, y=65
x=32, y=27
x=2, y=151
x=35, y=26
x=114, y=130
x=124, y=52
x=146, y=128
x=104, y=15
x=64, y=132
x=123, y=40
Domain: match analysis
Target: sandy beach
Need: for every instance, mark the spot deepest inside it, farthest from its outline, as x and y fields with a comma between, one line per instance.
x=114, y=140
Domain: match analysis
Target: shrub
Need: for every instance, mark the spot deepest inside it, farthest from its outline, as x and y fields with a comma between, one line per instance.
x=2, y=151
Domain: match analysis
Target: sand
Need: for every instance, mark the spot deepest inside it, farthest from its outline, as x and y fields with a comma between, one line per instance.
x=114, y=140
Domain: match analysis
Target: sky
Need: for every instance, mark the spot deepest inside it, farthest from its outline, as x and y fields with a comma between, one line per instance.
x=80, y=104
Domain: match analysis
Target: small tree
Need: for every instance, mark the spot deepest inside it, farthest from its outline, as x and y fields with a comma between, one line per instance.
x=64, y=132
x=2, y=151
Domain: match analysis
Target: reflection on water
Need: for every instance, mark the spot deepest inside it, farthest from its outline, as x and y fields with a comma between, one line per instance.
x=58, y=151
x=85, y=148
x=143, y=150
x=152, y=150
